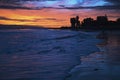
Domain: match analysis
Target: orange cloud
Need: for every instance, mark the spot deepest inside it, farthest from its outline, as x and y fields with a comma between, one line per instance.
x=52, y=18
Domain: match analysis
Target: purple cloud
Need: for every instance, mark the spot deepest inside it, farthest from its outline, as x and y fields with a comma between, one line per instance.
x=37, y=4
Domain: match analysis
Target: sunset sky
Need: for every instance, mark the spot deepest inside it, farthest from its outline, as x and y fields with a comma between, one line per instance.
x=54, y=13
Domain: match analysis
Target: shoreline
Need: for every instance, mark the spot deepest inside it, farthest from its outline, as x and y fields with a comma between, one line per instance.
x=80, y=56
x=5, y=27
x=103, y=65
x=75, y=69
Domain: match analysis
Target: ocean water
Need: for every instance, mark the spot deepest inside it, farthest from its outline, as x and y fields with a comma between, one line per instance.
x=102, y=65
x=43, y=54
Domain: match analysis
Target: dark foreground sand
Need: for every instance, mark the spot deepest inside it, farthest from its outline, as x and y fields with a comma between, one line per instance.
x=103, y=65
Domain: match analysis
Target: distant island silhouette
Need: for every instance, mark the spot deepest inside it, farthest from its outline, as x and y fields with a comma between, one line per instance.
x=101, y=22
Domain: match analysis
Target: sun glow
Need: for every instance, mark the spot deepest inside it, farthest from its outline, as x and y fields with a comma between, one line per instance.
x=47, y=17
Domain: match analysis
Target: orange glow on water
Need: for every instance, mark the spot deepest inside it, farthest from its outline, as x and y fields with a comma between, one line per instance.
x=52, y=18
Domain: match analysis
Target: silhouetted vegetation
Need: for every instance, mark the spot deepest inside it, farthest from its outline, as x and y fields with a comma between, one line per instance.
x=101, y=22
x=75, y=23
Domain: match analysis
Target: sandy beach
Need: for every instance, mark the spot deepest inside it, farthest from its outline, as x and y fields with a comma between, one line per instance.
x=48, y=54
x=103, y=65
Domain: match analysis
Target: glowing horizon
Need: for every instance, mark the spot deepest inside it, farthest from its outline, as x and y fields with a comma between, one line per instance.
x=53, y=13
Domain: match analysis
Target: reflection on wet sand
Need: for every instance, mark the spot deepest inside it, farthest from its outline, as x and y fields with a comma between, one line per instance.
x=103, y=65
x=112, y=47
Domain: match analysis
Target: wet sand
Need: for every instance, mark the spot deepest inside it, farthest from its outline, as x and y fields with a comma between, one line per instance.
x=103, y=65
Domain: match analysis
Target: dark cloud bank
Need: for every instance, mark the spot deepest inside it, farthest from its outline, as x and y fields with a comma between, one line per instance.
x=17, y=4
